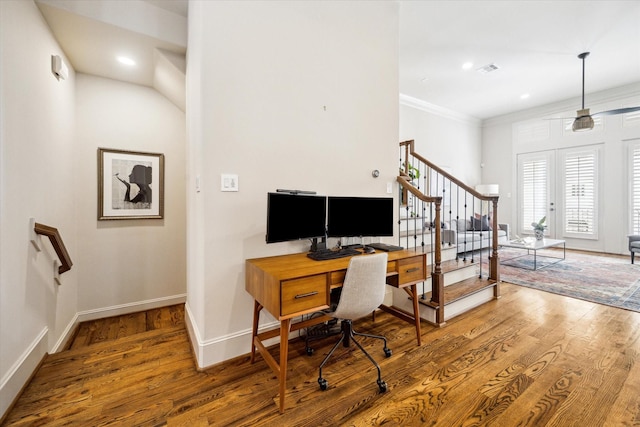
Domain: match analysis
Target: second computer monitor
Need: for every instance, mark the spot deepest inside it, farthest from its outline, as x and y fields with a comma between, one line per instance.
x=359, y=216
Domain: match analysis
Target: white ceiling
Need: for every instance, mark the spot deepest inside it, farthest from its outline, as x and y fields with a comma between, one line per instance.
x=534, y=43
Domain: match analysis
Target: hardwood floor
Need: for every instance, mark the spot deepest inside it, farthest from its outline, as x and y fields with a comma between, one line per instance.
x=528, y=359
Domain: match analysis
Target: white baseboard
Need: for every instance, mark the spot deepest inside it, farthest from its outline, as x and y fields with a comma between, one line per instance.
x=133, y=307
x=66, y=335
x=216, y=350
x=16, y=378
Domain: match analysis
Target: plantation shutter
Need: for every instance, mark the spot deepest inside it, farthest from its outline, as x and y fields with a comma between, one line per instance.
x=635, y=188
x=580, y=193
x=533, y=175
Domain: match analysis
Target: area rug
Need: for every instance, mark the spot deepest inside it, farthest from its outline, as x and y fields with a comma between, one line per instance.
x=605, y=280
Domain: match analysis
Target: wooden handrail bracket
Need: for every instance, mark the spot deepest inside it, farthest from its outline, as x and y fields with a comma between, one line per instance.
x=57, y=243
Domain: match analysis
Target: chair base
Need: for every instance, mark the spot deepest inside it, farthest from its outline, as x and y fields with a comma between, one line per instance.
x=347, y=335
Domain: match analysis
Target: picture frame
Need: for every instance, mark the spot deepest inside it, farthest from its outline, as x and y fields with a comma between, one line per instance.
x=130, y=185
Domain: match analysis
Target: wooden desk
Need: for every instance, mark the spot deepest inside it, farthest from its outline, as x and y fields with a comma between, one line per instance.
x=290, y=286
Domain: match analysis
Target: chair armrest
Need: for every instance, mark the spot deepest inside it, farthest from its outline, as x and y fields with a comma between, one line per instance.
x=506, y=228
x=633, y=238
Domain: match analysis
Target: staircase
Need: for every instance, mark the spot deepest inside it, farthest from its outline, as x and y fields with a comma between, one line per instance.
x=430, y=196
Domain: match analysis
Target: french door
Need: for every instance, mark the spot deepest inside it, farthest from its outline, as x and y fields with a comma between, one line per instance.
x=536, y=195
x=561, y=186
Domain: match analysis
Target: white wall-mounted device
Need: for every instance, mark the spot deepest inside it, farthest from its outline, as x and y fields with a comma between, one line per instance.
x=59, y=68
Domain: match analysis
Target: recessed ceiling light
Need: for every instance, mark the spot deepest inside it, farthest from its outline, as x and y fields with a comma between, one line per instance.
x=467, y=65
x=488, y=68
x=126, y=61
x=524, y=96
x=424, y=79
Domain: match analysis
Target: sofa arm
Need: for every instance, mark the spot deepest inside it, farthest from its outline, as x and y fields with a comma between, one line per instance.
x=506, y=228
x=450, y=237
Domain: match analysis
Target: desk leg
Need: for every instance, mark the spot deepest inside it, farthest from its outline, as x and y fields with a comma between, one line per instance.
x=284, y=352
x=257, y=307
x=416, y=312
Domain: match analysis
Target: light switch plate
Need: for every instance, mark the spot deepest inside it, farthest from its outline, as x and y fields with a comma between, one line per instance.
x=228, y=182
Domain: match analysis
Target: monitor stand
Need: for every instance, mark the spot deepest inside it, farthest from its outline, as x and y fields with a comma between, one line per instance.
x=318, y=246
x=355, y=245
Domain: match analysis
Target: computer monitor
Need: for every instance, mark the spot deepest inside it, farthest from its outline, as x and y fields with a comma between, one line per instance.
x=293, y=216
x=359, y=216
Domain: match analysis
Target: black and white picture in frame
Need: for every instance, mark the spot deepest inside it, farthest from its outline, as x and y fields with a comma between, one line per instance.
x=130, y=185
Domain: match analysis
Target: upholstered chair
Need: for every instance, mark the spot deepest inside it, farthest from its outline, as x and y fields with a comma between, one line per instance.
x=634, y=245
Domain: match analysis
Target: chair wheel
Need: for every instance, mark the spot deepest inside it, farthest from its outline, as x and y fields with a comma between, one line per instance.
x=323, y=384
x=388, y=352
x=382, y=385
x=310, y=351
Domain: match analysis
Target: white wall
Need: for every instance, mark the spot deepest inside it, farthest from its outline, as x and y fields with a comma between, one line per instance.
x=501, y=147
x=448, y=139
x=125, y=263
x=38, y=178
x=300, y=95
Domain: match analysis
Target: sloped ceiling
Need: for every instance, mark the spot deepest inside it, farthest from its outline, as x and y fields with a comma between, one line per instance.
x=93, y=34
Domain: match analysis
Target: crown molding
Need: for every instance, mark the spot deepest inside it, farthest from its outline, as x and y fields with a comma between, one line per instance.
x=419, y=104
x=573, y=104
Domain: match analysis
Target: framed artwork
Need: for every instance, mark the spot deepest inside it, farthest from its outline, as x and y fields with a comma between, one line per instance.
x=130, y=185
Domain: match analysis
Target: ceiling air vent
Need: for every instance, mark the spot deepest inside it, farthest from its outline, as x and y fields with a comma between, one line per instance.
x=487, y=68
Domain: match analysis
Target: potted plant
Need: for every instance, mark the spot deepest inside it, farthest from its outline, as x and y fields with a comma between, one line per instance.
x=412, y=171
x=538, y=228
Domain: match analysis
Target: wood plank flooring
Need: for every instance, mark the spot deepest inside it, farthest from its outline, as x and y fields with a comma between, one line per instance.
x=528, y=359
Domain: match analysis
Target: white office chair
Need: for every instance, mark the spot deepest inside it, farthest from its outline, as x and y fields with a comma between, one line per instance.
x=362, y=292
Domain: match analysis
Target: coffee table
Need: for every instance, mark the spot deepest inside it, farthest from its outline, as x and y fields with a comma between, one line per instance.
x=530, y=244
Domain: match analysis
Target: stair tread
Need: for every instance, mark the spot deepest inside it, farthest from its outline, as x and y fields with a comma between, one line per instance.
x=110, y=345
x=459, y=290
x=453, y=265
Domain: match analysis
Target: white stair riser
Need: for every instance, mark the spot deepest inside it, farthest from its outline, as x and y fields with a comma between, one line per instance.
x=452, y=310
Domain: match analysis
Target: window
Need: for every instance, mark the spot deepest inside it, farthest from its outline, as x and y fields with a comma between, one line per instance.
x=580, y=192
x=635, y=187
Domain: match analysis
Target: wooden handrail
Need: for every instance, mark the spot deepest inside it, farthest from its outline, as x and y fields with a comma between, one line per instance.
x=57, y=243
x=409, y=147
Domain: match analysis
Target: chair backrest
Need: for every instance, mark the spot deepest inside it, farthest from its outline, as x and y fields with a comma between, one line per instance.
x=364, y=286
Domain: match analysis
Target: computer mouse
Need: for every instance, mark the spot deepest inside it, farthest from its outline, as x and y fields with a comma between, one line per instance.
x=369, y=250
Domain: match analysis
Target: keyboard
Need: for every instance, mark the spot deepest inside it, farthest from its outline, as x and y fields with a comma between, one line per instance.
x=332, y=254
x=385, y=247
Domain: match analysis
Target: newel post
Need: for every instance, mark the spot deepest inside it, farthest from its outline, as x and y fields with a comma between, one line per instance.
x=494, y=268
x=437, y=278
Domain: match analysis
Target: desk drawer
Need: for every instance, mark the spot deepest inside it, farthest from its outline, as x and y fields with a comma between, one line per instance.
x=302, y=294
x=411, y=270
x=337, y=278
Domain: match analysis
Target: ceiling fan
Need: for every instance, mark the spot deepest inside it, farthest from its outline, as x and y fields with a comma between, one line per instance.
x=583, y=120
